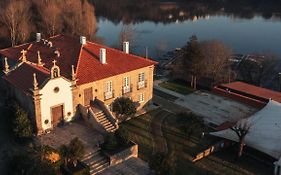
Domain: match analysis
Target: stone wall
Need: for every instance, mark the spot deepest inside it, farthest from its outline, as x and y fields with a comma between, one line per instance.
x=117, y=84
x=124, y=155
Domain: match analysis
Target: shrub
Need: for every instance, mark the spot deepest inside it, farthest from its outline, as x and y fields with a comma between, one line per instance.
x=22, y=127
x=123, y=107
x=72, y=152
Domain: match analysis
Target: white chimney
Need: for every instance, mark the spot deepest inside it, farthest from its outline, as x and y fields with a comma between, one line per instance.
x=83, y=40
x=126, y=47
x=38, y=37
x=103, y=56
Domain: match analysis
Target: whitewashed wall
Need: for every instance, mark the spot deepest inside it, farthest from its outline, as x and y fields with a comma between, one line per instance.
x=49, y=99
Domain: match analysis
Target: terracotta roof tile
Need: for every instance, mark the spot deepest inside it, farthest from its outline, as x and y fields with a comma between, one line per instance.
x=22, y=77
x=254, y=90
x=85, y=58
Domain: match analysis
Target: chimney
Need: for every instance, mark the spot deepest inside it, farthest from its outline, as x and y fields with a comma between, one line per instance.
x=103, y=56
x=38, y=37
x=83, y=40
x=126, y=47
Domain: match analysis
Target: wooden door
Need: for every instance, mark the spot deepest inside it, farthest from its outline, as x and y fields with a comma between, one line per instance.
x=88, y=96
x=57, y=114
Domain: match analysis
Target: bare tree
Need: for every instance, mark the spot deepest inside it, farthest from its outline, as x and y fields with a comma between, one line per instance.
x=241, y=129
x=16, y=17
x=127, y=33
x=161, y=47
x=51, y=16
x=216, y=56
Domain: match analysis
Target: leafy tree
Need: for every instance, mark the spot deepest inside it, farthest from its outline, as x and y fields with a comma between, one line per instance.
x=26, y=164
x=189, y=123
x=123, y=107
x=22, y=127
x=241, y=129
x=193, y=60
x=72, y=152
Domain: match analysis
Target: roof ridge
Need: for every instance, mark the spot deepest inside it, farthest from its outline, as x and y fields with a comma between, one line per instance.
x=79, y=60
x=114, y=49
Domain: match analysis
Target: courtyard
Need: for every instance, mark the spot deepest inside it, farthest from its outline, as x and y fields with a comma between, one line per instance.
x=63, y=135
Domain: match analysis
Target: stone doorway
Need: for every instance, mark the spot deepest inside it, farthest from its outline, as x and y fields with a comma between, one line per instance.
x=57, y=115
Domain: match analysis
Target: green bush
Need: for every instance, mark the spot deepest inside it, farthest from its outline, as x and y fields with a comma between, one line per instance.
x=21, y=125
x=123, y=107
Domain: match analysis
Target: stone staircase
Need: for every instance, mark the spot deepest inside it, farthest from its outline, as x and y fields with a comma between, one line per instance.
x=103, y=120
x=96, y=161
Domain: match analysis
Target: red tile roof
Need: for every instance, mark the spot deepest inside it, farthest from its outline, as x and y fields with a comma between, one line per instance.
x=254, y=90
x=22, y=77
x=85, y=59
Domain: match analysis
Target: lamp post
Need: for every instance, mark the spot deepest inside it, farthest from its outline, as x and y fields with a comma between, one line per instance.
x=279, y=81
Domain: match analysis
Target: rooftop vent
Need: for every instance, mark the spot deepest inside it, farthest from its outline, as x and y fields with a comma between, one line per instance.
x=38, y=37
x=83, y=40
x=103, y=56
x=57, y=53
x=50, y=44
x=126, y=47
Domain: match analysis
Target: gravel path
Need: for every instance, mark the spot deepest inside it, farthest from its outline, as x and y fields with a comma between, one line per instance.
x=159, y=141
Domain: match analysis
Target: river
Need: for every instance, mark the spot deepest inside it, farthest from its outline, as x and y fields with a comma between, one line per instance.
x=172, y=23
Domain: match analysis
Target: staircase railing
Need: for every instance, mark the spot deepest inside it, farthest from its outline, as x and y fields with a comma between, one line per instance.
x=106, y=111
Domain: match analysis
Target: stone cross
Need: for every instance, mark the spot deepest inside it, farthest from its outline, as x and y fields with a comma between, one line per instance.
x=23, y=52
x=54, y=62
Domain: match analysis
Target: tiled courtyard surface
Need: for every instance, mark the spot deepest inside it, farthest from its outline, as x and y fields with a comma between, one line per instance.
x=133, y=166
x=215, y=109
x=63, y=135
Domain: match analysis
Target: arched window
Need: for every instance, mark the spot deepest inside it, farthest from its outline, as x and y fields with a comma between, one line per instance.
x=55, y=71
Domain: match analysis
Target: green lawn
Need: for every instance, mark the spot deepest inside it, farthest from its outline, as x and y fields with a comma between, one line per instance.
x=177, y=86
x=183, y=150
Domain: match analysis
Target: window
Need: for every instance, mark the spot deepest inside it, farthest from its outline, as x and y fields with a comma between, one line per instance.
x=126, y=85
x=141, y=97
x=141, y=83
x=126, y=82
x=56, y=89
x=108, y=90
x=108, y=86
x=141, y=77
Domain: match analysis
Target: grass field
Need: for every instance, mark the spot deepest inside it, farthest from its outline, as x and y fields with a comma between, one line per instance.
x=177, y=86
x=183, y=150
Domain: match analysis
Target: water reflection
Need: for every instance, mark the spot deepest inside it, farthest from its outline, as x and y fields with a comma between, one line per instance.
x=246, y=26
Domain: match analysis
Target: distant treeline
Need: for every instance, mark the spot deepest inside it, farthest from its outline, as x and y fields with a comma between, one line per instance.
x=20, y=19
x=158, y=10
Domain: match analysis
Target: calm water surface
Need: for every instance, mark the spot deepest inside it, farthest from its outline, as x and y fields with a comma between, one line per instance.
x=255, y=35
